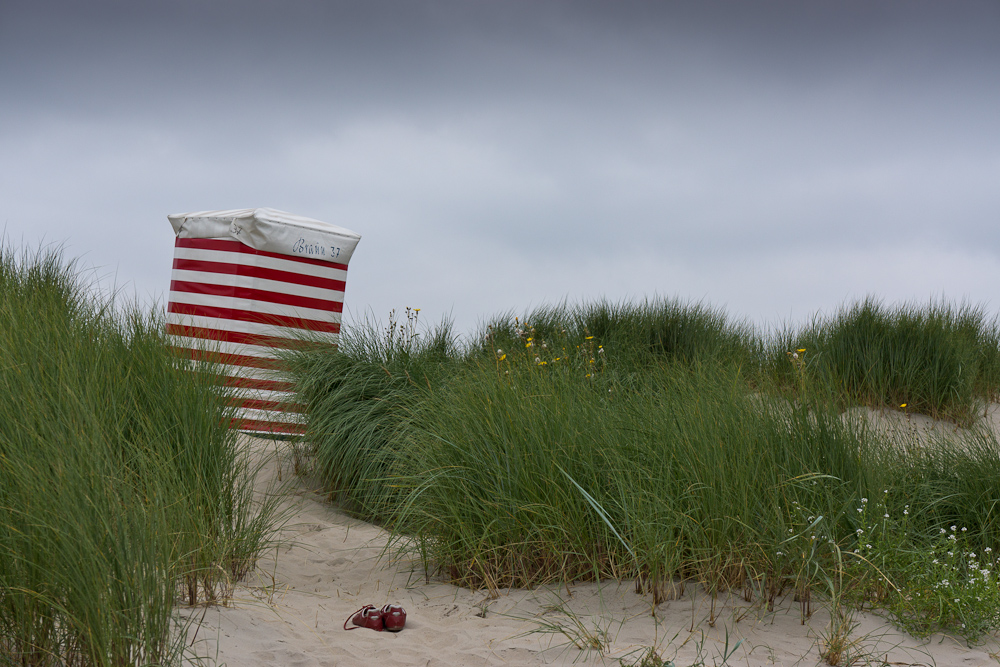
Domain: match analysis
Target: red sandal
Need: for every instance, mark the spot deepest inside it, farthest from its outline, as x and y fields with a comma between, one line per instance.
x=393, y=617
x=366, y=617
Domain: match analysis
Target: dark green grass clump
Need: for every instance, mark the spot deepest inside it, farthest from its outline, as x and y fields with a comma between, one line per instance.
x=940, y=360
x=121, y=489
x=663, y=443
x=360, y=403
x=638, y=335
x=537, y=474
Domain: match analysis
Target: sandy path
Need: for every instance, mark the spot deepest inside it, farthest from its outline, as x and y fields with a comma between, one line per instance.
x=293, y=614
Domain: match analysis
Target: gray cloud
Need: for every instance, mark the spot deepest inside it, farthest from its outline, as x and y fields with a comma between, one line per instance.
x=775, y=158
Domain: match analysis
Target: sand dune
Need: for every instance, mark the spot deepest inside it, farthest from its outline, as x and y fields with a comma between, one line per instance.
x=293, y=612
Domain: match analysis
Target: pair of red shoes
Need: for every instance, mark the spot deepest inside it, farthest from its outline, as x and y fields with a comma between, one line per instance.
x=391, y=617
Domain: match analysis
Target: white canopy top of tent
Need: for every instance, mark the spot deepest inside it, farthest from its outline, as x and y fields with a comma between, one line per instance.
x=272, y=231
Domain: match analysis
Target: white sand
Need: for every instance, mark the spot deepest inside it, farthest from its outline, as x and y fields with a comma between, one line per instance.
x=293, y=614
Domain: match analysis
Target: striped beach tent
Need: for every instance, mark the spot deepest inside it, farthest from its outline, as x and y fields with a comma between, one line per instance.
x=248, y=281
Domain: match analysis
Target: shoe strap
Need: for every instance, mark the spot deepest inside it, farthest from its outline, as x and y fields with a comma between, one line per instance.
x=366, y=608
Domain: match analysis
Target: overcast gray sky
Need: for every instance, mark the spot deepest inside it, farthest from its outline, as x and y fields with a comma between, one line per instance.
x=774, y=159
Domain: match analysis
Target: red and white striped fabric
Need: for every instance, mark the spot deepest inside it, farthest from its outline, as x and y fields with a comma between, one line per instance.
x=233, y=303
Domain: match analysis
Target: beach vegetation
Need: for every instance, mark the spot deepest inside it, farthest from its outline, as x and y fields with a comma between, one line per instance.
x=123, y=493
x=664, y=443
x=361, y=402
x=938, y=359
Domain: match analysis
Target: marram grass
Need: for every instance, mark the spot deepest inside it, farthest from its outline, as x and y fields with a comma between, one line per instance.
x=664, y=443
x=941, y=360
x=122, y=492
x=360, y=405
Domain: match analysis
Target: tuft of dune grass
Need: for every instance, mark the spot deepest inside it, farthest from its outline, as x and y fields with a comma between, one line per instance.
x=661, y=442
x=122, y=491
